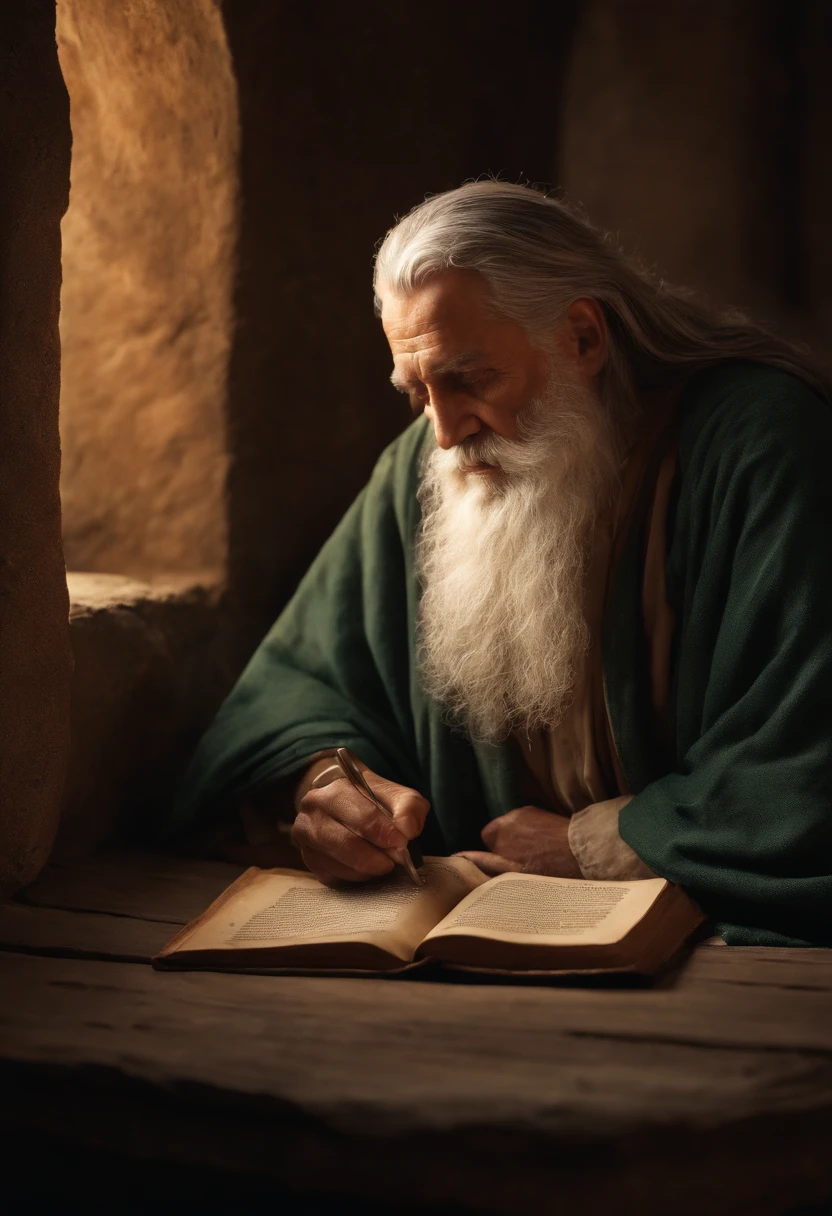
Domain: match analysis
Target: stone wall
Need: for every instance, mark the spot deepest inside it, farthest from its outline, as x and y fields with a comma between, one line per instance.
x=35, y=663
x=148, y=264
x=151, y=664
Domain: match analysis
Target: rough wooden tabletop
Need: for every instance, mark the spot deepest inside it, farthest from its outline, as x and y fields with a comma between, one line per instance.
x=711, y=1092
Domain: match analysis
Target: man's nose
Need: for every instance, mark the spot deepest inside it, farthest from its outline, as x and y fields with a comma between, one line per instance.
x=452, y=421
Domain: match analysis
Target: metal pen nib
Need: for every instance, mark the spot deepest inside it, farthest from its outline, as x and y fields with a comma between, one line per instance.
x=356, y=778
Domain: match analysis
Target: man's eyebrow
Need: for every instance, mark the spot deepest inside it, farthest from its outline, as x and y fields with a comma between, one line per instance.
x=459, y=363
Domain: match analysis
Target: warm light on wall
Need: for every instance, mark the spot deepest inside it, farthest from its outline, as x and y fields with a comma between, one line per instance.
x=148, y=247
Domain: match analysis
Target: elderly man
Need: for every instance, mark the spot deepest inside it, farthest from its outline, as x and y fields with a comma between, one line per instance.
x=578, y=621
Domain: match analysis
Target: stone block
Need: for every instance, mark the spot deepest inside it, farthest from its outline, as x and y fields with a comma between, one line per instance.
x=151, y=667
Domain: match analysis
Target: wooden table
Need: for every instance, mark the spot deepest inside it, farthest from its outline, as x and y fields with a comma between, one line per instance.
x=710, y=1093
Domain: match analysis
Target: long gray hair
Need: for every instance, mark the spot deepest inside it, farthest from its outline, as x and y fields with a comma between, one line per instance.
x=539, y=253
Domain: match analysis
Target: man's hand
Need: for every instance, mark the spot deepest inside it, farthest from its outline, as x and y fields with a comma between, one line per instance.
x=527, y=839
x=341, y=835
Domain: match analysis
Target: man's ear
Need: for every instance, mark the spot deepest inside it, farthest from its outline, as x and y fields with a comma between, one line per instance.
x=583, y=336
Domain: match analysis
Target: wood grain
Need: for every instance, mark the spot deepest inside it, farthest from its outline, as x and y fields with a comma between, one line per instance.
x=361, y=1069
x=387, y=1048
x=95, y=935
x=712, y=1091
x=143, y=885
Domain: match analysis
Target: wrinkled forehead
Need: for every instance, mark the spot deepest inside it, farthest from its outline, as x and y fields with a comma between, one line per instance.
x=452, y=307
x=450, y=325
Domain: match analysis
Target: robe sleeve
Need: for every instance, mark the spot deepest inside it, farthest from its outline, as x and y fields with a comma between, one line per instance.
x=597, y=846
x=334, y=669
x=744, y=822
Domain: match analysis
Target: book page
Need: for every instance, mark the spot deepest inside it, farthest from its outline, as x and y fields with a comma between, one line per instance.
x=542, y=911
x=276, y=908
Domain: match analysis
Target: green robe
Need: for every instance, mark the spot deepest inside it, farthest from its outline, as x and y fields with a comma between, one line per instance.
x=738, y=808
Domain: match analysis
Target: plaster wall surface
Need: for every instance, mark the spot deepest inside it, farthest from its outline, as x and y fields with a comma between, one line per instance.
x=350, y=116
x=695, y=134
x=148, y=266
x=658, y=126
x=35, y=661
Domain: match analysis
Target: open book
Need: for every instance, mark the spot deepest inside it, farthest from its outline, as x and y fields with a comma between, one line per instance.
x=285, y=920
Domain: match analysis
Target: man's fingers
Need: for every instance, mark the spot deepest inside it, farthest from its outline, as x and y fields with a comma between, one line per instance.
x=316, y=830
x=407, y=806
x=340, y=802
x=343, y=837
x=522, y=832
x=490, y=832
x=491, y=863
x=410, y=809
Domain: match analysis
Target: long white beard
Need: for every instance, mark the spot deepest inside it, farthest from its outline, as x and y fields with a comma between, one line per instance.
x=502, y=558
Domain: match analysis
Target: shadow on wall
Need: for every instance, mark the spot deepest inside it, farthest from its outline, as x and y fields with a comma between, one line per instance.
x=35, y=662
x=347, y=123
x=699, y=133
